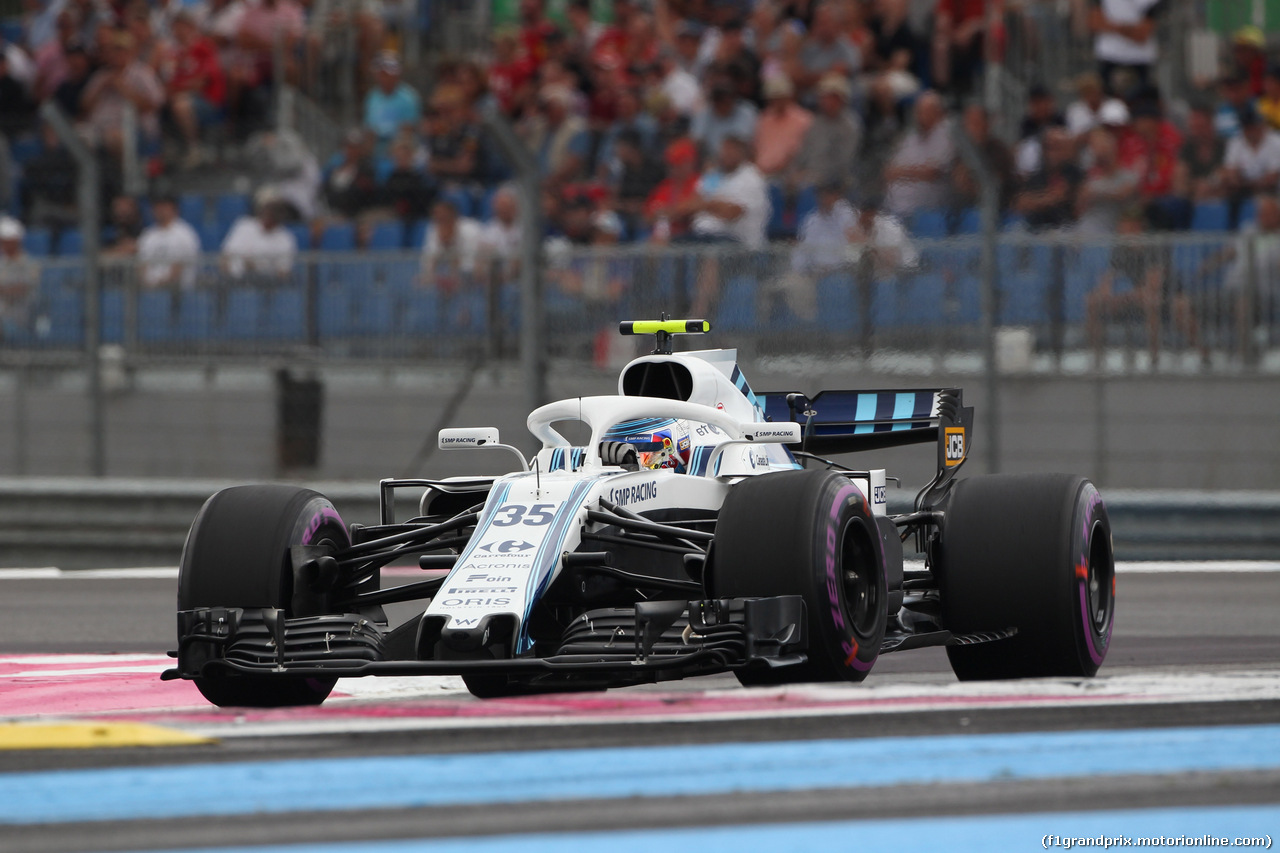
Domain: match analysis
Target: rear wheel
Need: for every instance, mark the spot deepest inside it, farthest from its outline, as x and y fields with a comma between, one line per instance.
x=812, y=534
x=1031, y=552
x=237, y=555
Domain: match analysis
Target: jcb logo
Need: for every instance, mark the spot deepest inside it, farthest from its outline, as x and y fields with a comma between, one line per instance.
x=954, y=446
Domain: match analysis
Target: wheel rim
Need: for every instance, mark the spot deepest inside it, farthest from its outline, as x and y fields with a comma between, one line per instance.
x=860, y=589
x=1100, y=580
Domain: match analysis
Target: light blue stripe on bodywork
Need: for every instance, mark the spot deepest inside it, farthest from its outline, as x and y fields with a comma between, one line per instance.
x=413, y=781
x=968, y=834
x=496, y=498
x=904, y=407
x=866, y=411
x=544, y=564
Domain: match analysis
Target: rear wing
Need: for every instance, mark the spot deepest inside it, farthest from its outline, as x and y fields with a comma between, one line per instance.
x=852, y=421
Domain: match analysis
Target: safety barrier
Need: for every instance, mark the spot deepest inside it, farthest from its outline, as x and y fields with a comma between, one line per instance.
x=1148, y=295
x=86, y=523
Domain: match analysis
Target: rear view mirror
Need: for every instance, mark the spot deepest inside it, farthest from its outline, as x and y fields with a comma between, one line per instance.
x=465, y=438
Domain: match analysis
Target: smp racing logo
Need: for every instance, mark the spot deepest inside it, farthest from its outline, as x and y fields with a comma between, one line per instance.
x=953, y=446
x=633, y=494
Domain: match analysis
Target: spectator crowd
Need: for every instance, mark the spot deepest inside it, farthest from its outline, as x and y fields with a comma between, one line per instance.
x=676, y=121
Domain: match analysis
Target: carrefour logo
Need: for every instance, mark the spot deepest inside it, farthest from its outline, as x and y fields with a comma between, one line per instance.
x=509, y=546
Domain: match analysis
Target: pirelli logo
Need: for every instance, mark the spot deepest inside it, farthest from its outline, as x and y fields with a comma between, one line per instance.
x=953, y=446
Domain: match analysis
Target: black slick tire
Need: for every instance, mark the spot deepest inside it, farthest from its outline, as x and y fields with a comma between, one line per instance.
x=237, y=555
x=812, y=534
x=1031, y=552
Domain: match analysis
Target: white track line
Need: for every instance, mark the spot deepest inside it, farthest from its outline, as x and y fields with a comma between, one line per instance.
x=168, y=573
x=829, y=701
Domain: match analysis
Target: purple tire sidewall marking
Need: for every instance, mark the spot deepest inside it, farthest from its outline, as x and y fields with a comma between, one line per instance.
x=326, y=514
x=1091, y=499
x=833, y=586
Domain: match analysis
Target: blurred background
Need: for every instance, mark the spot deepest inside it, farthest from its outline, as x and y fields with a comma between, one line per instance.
x=261, y=239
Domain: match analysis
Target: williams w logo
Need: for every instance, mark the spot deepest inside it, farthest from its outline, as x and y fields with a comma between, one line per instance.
x=953, y=446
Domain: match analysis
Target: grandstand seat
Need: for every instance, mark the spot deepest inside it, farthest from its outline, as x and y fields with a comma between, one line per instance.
x=66, y=318
x=399, y=276
x=373, y=314
x=970, y=221
x=929, y=224
x=195, y=315
x=461, y=200
x=244, y=306
x=338, y=237
x=806, y=203
x=964, y=299
x=58, y=277
x=191, y=209
x=465, y=313
x=778, y=214
x=210, y=236
x=112, y=316
x=286, y=314
x=921, y=300
x=229, y=207
x=418, y=233
x=301, y=234
x=37, y=242
x=837, y=302
x=155, y=313
x=25, y=148
x=420, y=312
x=485, y=210
x=1083, y=271
x=70, y=242
x=1211, y=216
x=1248, y=212
x=387, y=235
x=334, y=308
x=737, y=309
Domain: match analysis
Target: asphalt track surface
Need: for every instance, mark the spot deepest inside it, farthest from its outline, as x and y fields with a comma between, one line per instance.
x=1187, y=742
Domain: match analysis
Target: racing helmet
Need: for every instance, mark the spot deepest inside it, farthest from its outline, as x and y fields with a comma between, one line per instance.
x=664, y=444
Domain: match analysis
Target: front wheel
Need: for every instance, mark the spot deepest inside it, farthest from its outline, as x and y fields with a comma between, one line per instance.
x=812, y=534
x=1030, y=552
x=237, y=555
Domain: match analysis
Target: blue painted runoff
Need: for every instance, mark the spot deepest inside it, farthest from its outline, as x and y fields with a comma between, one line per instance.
x=188, y=790
x=980, y=834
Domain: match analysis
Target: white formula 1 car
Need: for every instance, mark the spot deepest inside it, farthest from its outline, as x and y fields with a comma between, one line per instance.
x=699, y=529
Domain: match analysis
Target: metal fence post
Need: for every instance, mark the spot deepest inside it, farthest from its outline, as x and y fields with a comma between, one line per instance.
x=130, y=166
x=87, y=192
x=989, y=207
x=21, y=450
x=533, y=350
x=1248, y=303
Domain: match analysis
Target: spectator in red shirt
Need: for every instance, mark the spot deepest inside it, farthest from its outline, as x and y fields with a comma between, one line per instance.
x=534, y=29
x=960, y=41
x=1249, y=56
x=198, y=89
x=615, y=37
x=1150, y=149
x=511, y=74
x=679, y=186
